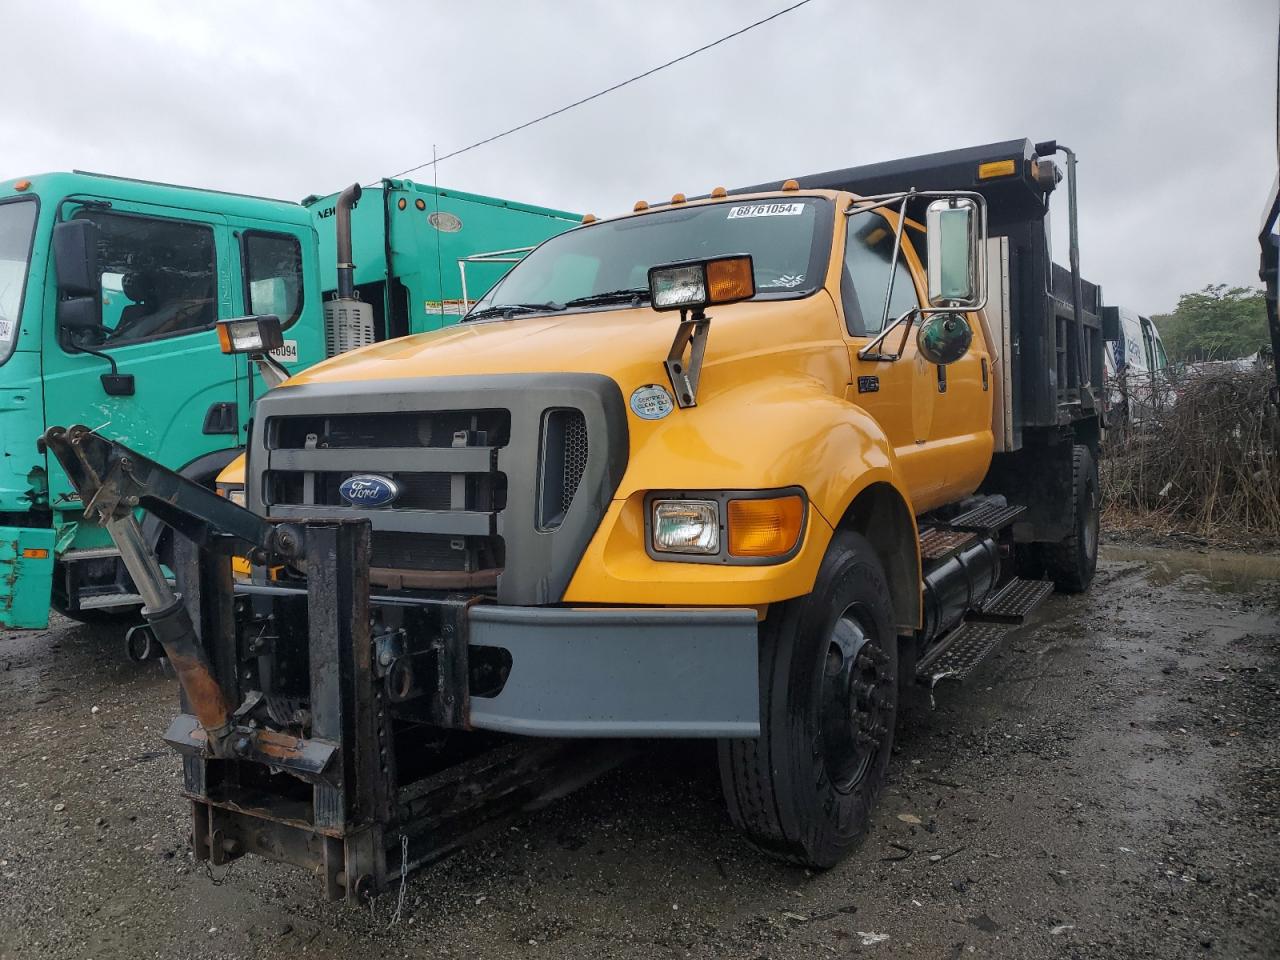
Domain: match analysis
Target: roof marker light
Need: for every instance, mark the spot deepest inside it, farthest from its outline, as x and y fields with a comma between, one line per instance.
x=791, y=185
x=677, y=198
x=22, y=185
x=588, y=218
x=719, y=192
x=640, y=205
x=996, y=168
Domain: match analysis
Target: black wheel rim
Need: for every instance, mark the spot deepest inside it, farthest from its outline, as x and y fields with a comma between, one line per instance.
x=855, y=700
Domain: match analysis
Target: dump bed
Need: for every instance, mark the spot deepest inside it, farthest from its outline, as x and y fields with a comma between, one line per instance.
x=1014, y=179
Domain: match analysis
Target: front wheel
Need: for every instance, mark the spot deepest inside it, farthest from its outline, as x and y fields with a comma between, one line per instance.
x=804, y=790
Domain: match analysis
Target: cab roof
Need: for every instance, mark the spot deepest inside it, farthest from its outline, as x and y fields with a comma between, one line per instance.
x=60, y=185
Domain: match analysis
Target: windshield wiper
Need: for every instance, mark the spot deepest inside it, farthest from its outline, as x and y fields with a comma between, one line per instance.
x=509, y=310
x=639, y=295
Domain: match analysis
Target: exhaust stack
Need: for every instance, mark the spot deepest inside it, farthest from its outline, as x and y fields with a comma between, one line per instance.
x=348, y=323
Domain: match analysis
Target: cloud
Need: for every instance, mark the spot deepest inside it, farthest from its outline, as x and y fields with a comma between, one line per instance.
x=1169, y=105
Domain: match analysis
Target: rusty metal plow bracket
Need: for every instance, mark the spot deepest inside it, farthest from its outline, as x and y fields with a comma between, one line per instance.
x=309, y=760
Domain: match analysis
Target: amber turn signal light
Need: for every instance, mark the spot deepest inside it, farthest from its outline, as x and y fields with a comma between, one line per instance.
x=730, y=279
x=35, y=553
x=765, y=527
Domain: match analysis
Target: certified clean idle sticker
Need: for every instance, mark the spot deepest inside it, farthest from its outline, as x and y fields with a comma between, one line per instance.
x=766, y=210
x=651, y=402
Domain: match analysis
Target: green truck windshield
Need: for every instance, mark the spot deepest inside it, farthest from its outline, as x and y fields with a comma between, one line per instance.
x=600, y=264
x=17, y=224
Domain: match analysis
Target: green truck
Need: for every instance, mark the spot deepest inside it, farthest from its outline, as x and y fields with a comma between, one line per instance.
x=110, y=290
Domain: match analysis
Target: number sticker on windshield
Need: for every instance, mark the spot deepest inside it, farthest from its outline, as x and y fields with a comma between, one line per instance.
x=766, y=210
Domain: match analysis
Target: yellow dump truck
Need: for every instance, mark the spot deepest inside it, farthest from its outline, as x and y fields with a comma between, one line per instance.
x=738, y=467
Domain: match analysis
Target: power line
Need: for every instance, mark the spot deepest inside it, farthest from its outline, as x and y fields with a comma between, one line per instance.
x=616, y=86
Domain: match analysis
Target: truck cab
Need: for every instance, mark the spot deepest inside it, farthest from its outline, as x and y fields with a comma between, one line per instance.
x=110, y=292
x=132, y=348
x=1137, y=368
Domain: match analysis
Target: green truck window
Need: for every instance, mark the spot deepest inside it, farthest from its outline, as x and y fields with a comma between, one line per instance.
x=273, y=275
x=17, y=224
x=158, y=277
x=868, y=257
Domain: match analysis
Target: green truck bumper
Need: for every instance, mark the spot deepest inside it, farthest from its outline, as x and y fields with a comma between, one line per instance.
x=26, y=576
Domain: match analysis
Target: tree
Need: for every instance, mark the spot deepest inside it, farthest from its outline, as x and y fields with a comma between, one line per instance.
x=1217, y=323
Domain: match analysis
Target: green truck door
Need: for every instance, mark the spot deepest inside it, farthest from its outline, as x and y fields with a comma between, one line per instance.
x=166, y=277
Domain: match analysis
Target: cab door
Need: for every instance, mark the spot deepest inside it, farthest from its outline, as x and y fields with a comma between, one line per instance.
x=938, y=419
x=893, y=391
x=273, y=265
x=164, y=277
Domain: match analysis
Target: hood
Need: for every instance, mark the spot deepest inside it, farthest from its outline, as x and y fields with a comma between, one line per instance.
x=629, y=345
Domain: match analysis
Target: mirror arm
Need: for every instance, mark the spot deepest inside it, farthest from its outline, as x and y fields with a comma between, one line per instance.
x=272, y=371
x=691, y=333
x=872, y=350
x=78, y=347
x=115, y=383
x=893, y=260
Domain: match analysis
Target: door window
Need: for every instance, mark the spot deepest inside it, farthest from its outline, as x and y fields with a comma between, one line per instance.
x=17, y=226
x=868, y=265
x=273, y=275
x=158, y=278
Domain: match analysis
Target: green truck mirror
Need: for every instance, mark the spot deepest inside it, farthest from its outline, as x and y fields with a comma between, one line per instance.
x=75, y=257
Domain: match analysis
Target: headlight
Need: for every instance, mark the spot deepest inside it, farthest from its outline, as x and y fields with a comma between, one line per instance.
x=686, y=526
x=250, y=334
x=234, y=493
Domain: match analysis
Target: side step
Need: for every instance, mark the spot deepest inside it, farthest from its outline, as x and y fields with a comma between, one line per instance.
x=959, y=654
x=1014, y=602
x=987, y=518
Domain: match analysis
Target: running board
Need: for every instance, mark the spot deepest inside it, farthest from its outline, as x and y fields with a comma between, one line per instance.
x=961, y=652
x=987, y=518
x=1014, y=602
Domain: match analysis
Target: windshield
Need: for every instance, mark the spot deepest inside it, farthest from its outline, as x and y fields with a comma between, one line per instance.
x=609, y=262
x=17, y=224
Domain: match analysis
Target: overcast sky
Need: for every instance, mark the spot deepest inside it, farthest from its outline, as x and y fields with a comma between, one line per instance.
x=1170, y=105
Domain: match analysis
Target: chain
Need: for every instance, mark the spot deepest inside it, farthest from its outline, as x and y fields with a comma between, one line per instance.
x=404, y=878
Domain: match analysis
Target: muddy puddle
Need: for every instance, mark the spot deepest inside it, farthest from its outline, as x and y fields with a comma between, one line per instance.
x=1106, y=785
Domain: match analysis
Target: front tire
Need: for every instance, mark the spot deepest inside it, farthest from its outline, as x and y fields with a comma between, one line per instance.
x=804, y=790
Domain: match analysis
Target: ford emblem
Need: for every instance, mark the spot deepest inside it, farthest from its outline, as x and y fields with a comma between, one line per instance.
x=369, y=490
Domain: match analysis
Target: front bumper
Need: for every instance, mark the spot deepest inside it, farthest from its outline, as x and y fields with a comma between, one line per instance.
x=620, y=672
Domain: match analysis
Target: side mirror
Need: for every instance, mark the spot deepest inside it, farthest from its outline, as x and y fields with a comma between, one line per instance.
x=956, y=239
x=79, y=314
x=944, y=338
x=75, y=255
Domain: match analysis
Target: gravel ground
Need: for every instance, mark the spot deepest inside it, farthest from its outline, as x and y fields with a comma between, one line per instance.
x=1108, y=785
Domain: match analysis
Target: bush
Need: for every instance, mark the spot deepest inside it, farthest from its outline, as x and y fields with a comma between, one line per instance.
x=1208, y=463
